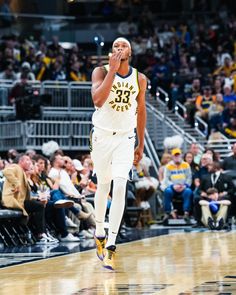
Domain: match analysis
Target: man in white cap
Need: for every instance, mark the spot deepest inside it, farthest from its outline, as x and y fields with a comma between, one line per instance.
x=118, y=93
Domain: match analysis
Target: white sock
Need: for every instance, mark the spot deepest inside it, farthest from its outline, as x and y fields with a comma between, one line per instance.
x=100, y=203
x=116, y=209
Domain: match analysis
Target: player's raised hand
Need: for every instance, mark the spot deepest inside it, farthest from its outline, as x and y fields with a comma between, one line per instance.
x=114, y=61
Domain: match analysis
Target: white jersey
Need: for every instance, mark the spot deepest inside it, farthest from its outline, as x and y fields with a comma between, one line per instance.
x=119, y=112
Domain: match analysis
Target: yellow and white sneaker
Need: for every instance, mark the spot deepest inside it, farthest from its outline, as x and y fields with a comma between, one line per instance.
x=100, y=247
x=109, y=258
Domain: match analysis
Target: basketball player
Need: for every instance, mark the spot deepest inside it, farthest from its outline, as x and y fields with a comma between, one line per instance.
x=118, y=92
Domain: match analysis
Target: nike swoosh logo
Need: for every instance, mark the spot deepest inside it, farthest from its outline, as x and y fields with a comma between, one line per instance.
x=129, y=137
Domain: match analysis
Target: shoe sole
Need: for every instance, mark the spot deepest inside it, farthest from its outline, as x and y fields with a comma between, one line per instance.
x=58, y=206
x=108, y=267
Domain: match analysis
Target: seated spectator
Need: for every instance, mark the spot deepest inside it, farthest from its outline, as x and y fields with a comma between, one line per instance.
x=230, y=130
x=226, y=68
x=217, y=87
x=190, y=94
x=8, y=73
x=229, y=163
x=11, y=155
x=228, y=95
x=217, y=107
x=228, y=113
x=40, y=67
x=211, y=152
x=206, y=160
x=197, y=153
x=26, y=72
x=165, y=159
x=214, y=209
x=16, y=195
x=145, y=184
x=56, y=72
x=177, y=181
x=189, y=158
x=75, y=73
x=66, y=186
x=215, y=114
x=55, y=203
x=203, y=103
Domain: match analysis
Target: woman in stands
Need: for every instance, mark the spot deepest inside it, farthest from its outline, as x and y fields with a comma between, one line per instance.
x=55, y=202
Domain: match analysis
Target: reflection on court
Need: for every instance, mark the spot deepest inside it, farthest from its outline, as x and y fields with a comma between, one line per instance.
x=179, y=263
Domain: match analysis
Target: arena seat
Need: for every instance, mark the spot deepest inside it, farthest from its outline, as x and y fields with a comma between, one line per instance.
x=12, y=231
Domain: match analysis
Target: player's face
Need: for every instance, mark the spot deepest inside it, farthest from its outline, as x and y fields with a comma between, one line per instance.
x=123, y=47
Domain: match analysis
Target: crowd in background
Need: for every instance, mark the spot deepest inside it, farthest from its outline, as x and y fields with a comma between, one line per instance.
x=65, y=187
x=194, y=60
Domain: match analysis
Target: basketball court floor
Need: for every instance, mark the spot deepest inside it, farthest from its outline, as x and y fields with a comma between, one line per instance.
x=159, y=260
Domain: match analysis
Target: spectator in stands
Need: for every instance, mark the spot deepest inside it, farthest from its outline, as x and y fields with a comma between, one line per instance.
x=75, y=73
x=203, y=103
x=229, y=163
x=40, y=67
x=206, y=160
x=214, y=209
x=85, y=205
x=195, y=150
x=189, y=158
x=215, y=178
x=226, y=68
x=16, y=195
x=31, y=153
x=217, y=107
x=228, y=94
x=55, y=47
x=11, y=155
x=20, y=90
x=145, y=184
x=217, y=87
x=211, y=151
x=215, y=114
x=8, y=73
x=26, y=72
x=56, y=202
x=165, y=159
x=221, y=181
x=56, y=72
x=230, y=130
x=160, y=75
x=193, y=90
x=228, y=114
x=57, y=171
x=177, y=181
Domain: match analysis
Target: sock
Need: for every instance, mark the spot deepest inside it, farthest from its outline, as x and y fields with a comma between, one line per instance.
x=100, y=203
x=116, y=209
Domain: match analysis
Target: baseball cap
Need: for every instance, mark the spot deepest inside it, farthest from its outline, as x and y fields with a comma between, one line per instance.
x=78, y=165
x=176, y=151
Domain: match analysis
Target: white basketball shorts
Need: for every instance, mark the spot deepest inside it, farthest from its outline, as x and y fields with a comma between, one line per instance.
x=112, y=154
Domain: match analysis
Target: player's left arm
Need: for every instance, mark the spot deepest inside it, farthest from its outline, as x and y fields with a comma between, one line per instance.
x=141, y=118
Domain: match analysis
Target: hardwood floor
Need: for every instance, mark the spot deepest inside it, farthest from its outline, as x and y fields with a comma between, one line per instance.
x=178, y=263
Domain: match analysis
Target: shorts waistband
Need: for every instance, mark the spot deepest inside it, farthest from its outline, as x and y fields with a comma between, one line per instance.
x=110, y=132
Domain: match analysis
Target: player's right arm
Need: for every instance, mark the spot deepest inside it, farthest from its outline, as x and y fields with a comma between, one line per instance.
x=102, y=80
